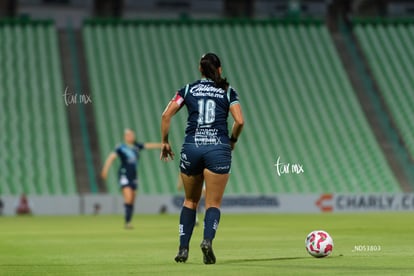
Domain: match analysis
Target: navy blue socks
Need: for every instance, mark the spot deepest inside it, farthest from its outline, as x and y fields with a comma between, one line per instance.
x=129, y=210
x=187, y=221
x=211, y=222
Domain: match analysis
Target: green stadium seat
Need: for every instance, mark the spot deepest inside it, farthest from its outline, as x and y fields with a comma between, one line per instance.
x=296, y=97
x=36, y=138
x=388, y=48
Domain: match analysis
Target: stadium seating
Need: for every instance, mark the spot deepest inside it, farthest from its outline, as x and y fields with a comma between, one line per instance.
x=297, y=102
x=388, y=47
x=36, y=158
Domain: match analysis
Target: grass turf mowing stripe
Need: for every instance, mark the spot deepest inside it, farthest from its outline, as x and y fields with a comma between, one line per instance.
x=245, y=245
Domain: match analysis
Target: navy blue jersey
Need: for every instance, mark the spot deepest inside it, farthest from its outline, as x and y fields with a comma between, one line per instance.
x=208, y=109
x=129, y=156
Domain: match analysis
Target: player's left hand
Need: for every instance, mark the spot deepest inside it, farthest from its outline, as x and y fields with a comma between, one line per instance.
x=166, y=152
x=232, y=145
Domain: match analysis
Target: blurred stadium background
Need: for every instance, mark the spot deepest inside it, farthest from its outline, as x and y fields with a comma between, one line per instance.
x=326, y=84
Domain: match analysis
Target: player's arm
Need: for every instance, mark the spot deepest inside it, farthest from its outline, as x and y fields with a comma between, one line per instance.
x=152, y=145
x=172, y=108
x=109, y=160
x=236, y=113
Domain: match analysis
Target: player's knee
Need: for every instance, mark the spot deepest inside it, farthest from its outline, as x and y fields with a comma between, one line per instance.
x=213, y=204
x=191, y=203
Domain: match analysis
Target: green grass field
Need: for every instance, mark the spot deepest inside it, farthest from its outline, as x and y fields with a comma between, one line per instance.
x=245, y=245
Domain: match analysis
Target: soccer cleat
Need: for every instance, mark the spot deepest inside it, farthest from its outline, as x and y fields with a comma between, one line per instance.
x=208, y=254
x=129, y=226
x=182, y=255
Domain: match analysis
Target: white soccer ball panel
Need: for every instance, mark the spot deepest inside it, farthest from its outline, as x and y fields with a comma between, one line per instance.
x=319, y=243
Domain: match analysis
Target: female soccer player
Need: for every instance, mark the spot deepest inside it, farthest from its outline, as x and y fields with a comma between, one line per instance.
x=206, y=152
x=128, y=152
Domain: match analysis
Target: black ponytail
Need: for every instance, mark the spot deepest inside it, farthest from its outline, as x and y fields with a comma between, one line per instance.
x=209, y=64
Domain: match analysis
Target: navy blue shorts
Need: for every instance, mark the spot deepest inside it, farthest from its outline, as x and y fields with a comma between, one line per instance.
x=216, y=158
x=124, y=182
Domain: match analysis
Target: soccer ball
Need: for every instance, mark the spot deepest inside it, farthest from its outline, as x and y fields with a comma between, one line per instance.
x=319, y=243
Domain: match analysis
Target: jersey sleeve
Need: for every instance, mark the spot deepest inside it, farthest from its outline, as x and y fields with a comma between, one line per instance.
x=140, y=146
x=179, y=96
x=117, y=149
x=232, y=96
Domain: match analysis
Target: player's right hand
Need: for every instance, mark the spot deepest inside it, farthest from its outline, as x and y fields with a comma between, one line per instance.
x=166, y=152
